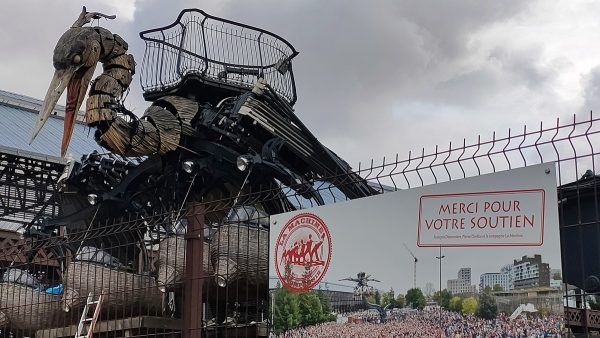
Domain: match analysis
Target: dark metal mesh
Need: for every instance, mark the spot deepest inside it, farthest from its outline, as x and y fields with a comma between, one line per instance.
x=165, y=288
x=28, y=188
x=222, y=52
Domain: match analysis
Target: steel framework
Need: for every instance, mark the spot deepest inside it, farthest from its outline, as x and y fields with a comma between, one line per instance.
x=28, y=186
x=241, y=303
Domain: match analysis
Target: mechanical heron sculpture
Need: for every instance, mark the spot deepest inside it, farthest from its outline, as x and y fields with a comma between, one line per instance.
x=227, y=136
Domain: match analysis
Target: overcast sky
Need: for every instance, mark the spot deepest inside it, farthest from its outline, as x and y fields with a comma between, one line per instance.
x=374, y=79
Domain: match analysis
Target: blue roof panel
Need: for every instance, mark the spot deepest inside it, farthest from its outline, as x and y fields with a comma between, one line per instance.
x=16, y=125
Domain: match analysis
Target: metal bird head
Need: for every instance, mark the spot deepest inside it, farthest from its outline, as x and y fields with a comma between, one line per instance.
x=75, y=58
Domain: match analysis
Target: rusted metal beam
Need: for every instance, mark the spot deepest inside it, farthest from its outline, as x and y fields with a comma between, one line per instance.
x=194, y=272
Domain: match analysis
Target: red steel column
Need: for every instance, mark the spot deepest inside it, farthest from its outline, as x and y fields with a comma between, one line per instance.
x=194, y=272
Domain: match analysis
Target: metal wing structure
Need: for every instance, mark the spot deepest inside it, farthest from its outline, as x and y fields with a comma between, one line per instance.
x=229, y=89
x=211, y=59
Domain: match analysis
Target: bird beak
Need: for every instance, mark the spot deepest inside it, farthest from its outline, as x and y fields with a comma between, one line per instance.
x=76, y=81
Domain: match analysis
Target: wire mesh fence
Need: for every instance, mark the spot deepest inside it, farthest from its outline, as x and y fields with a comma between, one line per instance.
x=205, y=269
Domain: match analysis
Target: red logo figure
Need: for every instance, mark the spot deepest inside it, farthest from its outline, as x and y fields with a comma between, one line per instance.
x=302, y=252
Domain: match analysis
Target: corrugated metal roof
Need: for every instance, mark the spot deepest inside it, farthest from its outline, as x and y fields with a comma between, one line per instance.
x=11, y=226
x=17, y=119
x=30, y=103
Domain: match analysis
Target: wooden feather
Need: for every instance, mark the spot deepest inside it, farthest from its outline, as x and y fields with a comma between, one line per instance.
x=186, y=111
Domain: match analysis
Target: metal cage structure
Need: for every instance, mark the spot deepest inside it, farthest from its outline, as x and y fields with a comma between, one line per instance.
x=210, y=58
x=570, y=144
x=28, y=186
x=203, y=269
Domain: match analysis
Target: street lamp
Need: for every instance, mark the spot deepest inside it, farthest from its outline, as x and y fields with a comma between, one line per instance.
x=440, y=257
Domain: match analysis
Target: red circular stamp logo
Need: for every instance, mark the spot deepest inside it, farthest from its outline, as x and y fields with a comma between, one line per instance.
x=302, y=252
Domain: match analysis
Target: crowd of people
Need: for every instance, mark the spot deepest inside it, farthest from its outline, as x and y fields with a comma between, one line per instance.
x=435, y=324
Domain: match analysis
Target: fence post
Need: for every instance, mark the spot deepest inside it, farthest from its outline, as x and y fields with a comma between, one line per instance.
x=194, y=272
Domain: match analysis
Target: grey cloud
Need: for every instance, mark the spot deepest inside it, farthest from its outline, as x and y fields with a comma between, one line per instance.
x=448, y=23
x=357, y=62
x=372, y=79
x=591, y=93
x=523, y=65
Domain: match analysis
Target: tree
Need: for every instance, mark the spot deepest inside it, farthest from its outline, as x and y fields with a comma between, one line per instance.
x=556, y=276
x=328, y=316
x=400, y=301
x=374, y=298
x=497, y=287
x=415, y=298
x=443, y=298
x=487, y=306
x=311, y=311
x=286, y=310
x=387, y=298
x=455, y=304
x=469, y=305
x=291, y=310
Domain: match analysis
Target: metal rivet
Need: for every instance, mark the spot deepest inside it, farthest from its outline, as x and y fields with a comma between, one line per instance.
x=274, y=222
x=547, y=171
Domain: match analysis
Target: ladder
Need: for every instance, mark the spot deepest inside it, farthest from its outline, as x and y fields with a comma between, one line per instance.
x=91, y=321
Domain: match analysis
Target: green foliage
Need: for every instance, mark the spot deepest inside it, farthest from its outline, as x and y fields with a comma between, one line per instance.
x=311, y=310
x=556, y=276
x=469, y=305
x=326, y=305
x=497, y=287
x=487, y=306
x=415, y=298
x=456, y=304
x=286, y=310
x=387, y=299
x=374, y=297
x=487, y=289
x=291, y=310
x=443, y=298
x=400, y=301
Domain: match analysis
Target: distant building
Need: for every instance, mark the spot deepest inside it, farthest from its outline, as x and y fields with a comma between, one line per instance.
x=429, y=290
x=556, y=283
x=531, y=272
x=491, y=279
x=508, y=269
x=505, y=278
x=463, y=283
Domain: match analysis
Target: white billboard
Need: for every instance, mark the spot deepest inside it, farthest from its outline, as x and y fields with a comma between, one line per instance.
x=482, y=222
